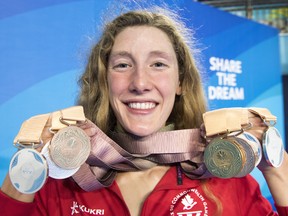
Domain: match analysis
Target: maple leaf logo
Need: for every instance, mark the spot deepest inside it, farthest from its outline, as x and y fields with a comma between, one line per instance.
x=188, y=202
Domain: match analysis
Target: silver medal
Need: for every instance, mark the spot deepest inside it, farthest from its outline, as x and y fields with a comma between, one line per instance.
x=28, y=171
x=273, y=147
x=70, y=147
x=55, y=171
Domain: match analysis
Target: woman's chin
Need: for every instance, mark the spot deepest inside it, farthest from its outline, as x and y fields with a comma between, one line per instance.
x=142, y=132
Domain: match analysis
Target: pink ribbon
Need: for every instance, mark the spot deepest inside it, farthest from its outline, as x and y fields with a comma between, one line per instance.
x=124, y=152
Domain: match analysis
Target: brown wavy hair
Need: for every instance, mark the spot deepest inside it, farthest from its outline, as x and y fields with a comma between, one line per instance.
x=188, y=107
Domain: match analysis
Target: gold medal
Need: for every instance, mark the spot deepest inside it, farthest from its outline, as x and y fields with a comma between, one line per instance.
x=70, y=147
x=229, y=157
x=224, y=157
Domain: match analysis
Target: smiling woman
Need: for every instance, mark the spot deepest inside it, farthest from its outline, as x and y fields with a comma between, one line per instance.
x=143, y=97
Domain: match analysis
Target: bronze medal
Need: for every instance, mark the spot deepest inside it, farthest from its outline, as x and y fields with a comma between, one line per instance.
x=70, y=147
x=254, y=143
x=249, y=160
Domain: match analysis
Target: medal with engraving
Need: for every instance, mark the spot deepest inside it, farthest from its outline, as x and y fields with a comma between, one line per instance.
x=249, y=158
x=70, y=147
x=55, y=171
x=224, y=158
x=28, y=171
x=253, y=142
x=273, y=148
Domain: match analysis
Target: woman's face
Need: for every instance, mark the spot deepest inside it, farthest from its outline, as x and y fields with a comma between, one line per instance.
x=143, y=79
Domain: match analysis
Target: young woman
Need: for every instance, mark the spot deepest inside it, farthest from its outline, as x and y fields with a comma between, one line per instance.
x=141, y=81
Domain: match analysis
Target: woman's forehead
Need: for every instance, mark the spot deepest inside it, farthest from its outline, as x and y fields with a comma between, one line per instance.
x=143, y=37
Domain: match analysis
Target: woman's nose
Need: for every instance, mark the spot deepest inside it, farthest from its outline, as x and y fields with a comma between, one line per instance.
x=140, y=81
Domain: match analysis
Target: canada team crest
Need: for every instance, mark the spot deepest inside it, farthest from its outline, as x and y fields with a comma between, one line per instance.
x=189, y=203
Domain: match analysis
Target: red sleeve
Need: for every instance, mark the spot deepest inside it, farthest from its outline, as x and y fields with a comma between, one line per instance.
x=14, y=207
x=282, y=210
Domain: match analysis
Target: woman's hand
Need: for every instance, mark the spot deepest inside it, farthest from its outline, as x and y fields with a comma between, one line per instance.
x=7, y=186
x=276, y=177
x=89, y=128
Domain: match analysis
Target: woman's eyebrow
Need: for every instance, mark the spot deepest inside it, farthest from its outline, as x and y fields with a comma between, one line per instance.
x=120, y=54
x=153, y=53
x=162, y=54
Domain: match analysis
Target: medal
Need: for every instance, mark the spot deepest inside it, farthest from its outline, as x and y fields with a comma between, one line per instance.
x=55, y=171
x=229, y=157
x=28, y=171
x=273, y=147
x=223, y=158
x=70, y=147
x=249, y=158
x=254, y=143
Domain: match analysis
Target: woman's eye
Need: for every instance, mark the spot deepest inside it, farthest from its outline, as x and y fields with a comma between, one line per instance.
x=159, y=64
x=122, y=65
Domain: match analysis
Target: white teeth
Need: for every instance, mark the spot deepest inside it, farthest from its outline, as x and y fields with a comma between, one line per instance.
x=147, y=105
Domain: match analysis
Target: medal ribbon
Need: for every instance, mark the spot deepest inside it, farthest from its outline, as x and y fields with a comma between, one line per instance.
x=123, y=152
x=228, y=120
x=134, y=153
x=67, y=117
x=31, y=130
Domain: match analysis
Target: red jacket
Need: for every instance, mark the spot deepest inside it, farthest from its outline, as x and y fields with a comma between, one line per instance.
x=239, y=196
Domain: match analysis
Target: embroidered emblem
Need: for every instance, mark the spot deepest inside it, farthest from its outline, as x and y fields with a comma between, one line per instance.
x=189, y=203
